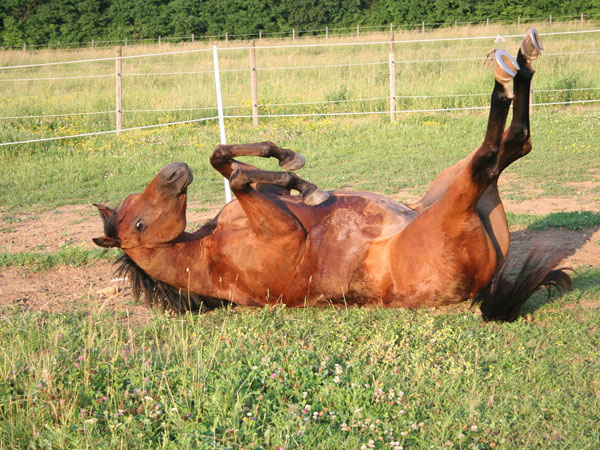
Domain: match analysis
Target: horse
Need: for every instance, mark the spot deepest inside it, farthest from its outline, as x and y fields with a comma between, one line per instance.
x=340, y=247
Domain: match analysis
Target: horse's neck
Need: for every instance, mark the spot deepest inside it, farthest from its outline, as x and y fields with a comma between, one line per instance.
x=178, y=264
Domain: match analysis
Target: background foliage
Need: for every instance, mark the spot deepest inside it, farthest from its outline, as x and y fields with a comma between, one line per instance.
x=38, y=22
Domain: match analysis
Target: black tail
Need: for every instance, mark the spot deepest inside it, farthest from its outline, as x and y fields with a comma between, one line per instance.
x=502, y=299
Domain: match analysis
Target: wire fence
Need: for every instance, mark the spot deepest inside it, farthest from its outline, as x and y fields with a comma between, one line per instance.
x=267, y=106
x=293, y=34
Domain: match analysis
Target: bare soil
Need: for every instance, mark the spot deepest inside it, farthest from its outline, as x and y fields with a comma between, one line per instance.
x=85, y=288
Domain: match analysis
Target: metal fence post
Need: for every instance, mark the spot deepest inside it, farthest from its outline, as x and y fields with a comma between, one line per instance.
x=221, y=116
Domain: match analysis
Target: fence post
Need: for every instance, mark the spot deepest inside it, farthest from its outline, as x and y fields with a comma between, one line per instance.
x=519, y=21
x=455, y=24
x=221, y=117
x=293, y=34
x=392, y=79
x=159, y=39
x=357, y=30
x=326, y=32
x=253, y=84
x=487, y=22
x=24, y=46
x=423, y=27
x=125, y=42
x=259, y=34
x=226, y=37
x=530, y=100
x=193, y=37
x=92, y=43
x=391, y=28
x=550, y=18
x=581, y=18
x=119, y=89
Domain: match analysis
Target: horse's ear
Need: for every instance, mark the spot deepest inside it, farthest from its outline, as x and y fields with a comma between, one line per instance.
x=105, y=211
x=106, y=242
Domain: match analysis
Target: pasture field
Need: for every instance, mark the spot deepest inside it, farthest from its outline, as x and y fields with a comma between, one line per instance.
x=83, y=366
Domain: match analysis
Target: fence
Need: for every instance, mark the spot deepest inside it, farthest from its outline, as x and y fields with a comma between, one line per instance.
x=293, y=34
x=254, y=107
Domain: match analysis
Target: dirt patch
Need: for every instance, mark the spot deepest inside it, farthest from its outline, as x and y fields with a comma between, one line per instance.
x=68, y=289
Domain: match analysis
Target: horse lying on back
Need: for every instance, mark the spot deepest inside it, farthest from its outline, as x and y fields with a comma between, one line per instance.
x=345, y=247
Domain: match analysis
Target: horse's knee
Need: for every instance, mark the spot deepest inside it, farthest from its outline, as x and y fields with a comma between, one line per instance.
x=238, y=180
x=220, y=155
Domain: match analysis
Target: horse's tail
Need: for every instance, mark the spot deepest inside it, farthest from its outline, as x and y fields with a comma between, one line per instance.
x=502, y=299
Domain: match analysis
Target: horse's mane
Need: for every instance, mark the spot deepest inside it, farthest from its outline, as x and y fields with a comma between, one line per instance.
x=160, y=294
x=155, y=292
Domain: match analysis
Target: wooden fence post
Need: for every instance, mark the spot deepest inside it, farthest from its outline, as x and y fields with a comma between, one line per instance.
x=326, y=32
x=119, y=89
x=392, y=80
x=550, y=18
x=487, y=22
x=159, y=39
x=455, y=24
x=125, y=42
x=193, y=37
x=259, y=34
x=24, y=46
x=253, y=84
x=293, y=34
x=423, y=27
x=581, y=18
x=226, y=37
x=530, y=100
x=391, y=27
x=92, y=43
x=519, y=21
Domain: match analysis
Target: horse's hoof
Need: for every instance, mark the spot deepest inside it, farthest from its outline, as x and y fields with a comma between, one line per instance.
x=314, y=196
x=505, y=66
x=294, y=161
x=531, y=46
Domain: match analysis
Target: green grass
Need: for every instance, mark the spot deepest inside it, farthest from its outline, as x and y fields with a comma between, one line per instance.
x=65, y=256
x=304, y=378
x=569, y=220
x=368, y=154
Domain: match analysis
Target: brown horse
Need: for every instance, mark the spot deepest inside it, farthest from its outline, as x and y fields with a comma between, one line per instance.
x=339, y=247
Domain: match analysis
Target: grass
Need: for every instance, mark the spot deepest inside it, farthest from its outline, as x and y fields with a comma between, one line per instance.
x=412, y=150
x=304, y=378
x=65, y=256
x=310, y=378
x=569, y=220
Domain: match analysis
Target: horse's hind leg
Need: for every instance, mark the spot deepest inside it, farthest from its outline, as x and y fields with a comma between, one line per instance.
x=500, y=103
x=222, y=157
x=516, y=142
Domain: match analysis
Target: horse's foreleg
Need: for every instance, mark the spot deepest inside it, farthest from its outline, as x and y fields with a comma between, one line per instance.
x=222, y=157
x=267, y=216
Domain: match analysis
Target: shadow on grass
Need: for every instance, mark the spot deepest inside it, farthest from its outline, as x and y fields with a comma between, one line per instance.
x=562, y=234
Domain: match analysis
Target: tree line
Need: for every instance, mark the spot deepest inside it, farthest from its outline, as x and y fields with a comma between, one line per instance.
x=41, y=22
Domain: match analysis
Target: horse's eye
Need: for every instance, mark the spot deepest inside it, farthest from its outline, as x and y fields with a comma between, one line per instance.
x=139, y=225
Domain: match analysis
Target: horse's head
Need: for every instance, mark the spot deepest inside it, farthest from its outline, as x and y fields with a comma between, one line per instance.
x=154, y=217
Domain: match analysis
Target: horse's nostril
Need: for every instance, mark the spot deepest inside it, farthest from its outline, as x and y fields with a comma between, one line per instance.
x=173, y=176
